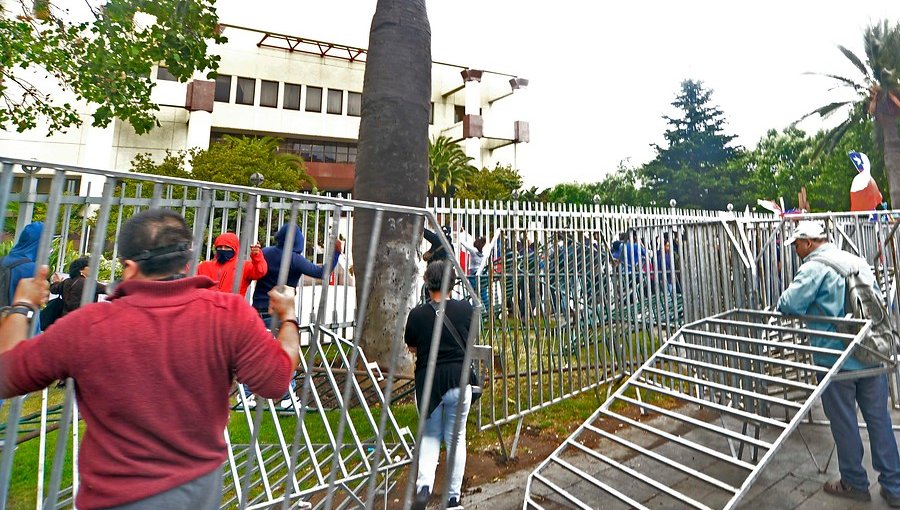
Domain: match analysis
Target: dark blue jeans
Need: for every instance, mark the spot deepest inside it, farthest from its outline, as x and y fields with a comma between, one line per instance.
x=267, y=320
x=871, y=393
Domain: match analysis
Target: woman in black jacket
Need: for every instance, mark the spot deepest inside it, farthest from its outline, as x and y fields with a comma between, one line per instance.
x=445, y=396
x=71, y=288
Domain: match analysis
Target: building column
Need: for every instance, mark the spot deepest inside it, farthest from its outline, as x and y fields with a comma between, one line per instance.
x=199, y=102
x=96, y=152
x=199, y=128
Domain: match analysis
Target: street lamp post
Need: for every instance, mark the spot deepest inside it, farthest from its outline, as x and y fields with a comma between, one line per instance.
x=256, y=180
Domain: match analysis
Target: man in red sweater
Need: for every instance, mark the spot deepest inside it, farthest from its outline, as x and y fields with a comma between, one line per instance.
x=223, y=268
x=163, y=332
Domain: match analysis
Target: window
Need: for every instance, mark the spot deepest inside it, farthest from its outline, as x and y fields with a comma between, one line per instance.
x=458, y=113
x=268, y=93
x=317, y=152
x=223, y=88
x=291, y=97
x=246, y=90
x=314, y=99
x=311, y=150
x=354, y=104
x=342, y=151
x=431, y=114
x=162, y=73
x=330, y=153
x=335, y=101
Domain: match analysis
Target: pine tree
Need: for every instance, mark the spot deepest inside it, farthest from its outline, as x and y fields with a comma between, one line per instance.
x=692, y=168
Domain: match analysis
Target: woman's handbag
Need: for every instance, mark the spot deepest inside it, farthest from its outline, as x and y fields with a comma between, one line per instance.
x=475, y=379
x=52, y=311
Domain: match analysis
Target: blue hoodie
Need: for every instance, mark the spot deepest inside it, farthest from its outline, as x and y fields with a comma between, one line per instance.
x=299, y=266
x=26, y=248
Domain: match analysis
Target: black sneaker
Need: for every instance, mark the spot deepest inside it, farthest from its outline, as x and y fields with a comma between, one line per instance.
x=453, y=504
x=893, y=501
x=420, y=499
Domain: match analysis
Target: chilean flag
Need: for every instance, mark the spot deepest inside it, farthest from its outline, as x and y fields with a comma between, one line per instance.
x=864, y=192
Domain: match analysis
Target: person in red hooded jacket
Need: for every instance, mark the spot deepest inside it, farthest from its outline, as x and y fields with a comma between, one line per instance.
x=222, y=269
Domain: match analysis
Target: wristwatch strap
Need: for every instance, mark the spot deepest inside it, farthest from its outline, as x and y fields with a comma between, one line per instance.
x=21, y=310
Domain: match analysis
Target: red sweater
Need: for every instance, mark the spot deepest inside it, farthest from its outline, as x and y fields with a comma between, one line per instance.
x=223, y=274
x=153, y=369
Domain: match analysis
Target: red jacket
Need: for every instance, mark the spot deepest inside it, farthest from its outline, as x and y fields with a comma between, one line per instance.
x=223, y=274
x=153, y=369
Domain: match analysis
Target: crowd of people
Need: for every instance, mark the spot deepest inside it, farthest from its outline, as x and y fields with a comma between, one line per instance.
x=200, y=332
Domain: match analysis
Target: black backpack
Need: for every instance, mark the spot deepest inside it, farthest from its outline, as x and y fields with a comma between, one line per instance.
x=6, y=278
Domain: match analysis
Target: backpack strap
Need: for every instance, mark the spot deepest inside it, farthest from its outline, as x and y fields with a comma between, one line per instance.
x=449, y=325
x=836, y=266
x=16, y=263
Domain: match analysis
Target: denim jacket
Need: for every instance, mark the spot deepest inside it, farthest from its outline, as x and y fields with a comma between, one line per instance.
x=819, y=290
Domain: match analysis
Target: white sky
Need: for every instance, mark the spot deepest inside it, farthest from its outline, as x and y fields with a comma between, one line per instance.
x=603, y=73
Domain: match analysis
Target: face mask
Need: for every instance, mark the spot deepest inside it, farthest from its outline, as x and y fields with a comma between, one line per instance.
x=223, y=256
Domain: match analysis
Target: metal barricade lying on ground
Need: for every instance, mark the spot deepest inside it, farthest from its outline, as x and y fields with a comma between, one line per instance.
x=731, y=387
x=336, y=444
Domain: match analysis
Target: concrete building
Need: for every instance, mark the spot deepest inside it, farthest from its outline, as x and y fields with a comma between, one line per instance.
x=307, y=93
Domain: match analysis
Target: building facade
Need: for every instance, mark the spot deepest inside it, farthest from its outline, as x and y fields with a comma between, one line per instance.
x=305, y=92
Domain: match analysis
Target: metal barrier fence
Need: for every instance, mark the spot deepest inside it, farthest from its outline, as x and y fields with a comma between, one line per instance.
x=335, y=444
x=566, y=310
x=733, y=387
x=735, y=384
x=574, y=296
x=568, y=298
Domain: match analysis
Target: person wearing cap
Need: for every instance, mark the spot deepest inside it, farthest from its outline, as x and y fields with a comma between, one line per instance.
x=159, y=333
x=817, y=289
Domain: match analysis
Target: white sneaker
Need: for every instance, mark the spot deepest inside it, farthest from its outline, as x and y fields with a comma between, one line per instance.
x=287, y=404
x=251, y=402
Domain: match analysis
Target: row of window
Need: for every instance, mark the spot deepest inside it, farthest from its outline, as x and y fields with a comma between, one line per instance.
x=312, y=150
x=292, y=97
x=327, y=152
x=245, y=93
x=246, y=88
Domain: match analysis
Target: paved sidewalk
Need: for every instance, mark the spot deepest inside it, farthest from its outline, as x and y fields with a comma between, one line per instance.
x=790, y=481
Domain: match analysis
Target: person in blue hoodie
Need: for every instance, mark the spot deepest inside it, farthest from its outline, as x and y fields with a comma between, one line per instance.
x=299, y=266
x=22, y=256
x=21, y=259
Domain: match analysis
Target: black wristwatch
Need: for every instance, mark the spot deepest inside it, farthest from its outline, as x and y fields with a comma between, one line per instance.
x=22, y=310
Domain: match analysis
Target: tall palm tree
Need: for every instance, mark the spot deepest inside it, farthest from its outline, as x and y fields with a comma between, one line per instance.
x=448, y=167
x=878, y=96
x=392, y=165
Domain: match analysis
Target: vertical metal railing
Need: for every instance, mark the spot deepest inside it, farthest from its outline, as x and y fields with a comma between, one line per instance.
x=563, y=310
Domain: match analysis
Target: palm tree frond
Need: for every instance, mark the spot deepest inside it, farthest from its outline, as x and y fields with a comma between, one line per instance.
x=843, y=79
x=855, y=60
x=824, y=111
x=832, y=138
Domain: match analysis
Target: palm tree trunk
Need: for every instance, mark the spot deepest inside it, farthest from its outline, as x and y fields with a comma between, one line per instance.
x=886, y=115
x=392, y=167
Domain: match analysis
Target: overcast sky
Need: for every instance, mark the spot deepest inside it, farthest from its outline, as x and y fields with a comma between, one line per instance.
x=603, y=73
